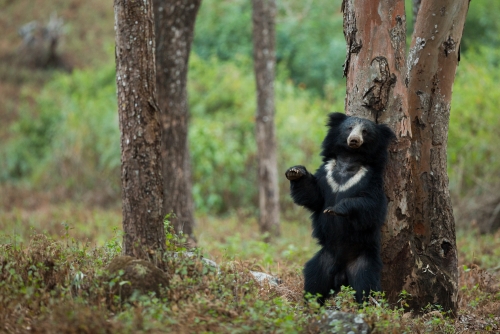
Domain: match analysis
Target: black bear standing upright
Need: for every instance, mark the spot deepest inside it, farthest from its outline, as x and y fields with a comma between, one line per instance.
x=348, y=204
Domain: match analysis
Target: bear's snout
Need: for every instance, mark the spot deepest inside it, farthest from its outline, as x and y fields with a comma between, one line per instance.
x=355, y=139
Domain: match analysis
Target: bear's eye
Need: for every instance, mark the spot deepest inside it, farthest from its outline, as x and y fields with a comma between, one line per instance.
x=350, y=128
x=365, y=132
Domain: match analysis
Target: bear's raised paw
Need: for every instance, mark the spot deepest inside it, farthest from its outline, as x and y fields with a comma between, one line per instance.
x=295, y=173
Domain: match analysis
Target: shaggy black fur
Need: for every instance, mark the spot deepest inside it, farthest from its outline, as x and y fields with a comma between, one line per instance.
x=348, y=205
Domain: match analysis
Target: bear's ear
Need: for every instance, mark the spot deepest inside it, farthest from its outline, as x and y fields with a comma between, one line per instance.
x=386, y=132
x=335, y=119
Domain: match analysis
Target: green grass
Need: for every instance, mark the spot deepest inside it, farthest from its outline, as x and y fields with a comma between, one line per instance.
x=482, y=250
x=59, y=283
x=70, y=220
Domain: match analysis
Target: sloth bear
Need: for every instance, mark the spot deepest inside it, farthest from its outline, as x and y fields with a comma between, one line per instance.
x=348, y=204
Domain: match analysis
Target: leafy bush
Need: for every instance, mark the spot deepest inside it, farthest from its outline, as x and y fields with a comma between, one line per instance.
x=73, y=138
x=310, y=45
x=223, y=29
x=482, y=27
x=222, y=133
x=473, y=132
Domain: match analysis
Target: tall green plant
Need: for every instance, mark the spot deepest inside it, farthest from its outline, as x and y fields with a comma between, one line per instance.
x=310, y=44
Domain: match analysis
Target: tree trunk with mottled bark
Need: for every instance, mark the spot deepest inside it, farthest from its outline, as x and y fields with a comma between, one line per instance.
x=412, y=94
x=142, y=182
x=264, y=42
x=174, y=21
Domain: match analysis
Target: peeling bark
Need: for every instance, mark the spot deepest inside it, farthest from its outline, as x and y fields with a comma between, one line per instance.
x=350, y=30
x=370, y=69
x=377, y=96
x=418, y=239
x=142, y=182
x=264, y=44
x=398, y=42
x=174, y=21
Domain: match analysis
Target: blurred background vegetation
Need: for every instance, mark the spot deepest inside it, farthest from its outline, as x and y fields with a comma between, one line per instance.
x=60, y=165
x=59, y=127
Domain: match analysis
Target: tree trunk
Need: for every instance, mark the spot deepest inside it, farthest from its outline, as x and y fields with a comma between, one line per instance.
x=142, y=183
x=263, y=16
x=412, y=96
x=174, y=22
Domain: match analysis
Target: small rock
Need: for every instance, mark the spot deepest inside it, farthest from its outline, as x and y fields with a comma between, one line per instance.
x=203, y=259
x=262, y=277
x=342, y=323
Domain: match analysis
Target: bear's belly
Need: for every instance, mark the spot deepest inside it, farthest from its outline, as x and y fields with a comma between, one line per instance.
x=335, y=229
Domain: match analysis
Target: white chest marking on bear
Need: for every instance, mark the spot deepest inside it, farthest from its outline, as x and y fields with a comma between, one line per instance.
x=330, y=166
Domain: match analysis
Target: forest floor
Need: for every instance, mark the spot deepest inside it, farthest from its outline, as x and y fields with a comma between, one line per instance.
x=53, y=259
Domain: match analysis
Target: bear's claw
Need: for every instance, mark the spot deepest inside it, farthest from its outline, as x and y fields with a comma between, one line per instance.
x=294, y=173
x=332, y=212
x=329, y=212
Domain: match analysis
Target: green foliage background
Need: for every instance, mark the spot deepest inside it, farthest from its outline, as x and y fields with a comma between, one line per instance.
x=65, y=141
x=70, y=137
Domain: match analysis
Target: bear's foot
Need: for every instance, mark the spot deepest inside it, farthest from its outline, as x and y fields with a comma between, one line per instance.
x=331, y=211
x=295, y=173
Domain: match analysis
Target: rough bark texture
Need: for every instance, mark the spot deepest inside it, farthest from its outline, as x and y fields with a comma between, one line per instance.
x=174, y=21
x=432, y=63
x=413, y=96
x=142, y=183
x=263, y=16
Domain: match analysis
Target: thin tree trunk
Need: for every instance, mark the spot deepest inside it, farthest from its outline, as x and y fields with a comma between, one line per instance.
x=175, y=22
x=263, y=16
x=142, y=183
x=413, y=97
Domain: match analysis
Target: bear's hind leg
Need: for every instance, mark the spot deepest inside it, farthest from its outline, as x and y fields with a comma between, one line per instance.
x=318, y=277
x=363, y=275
